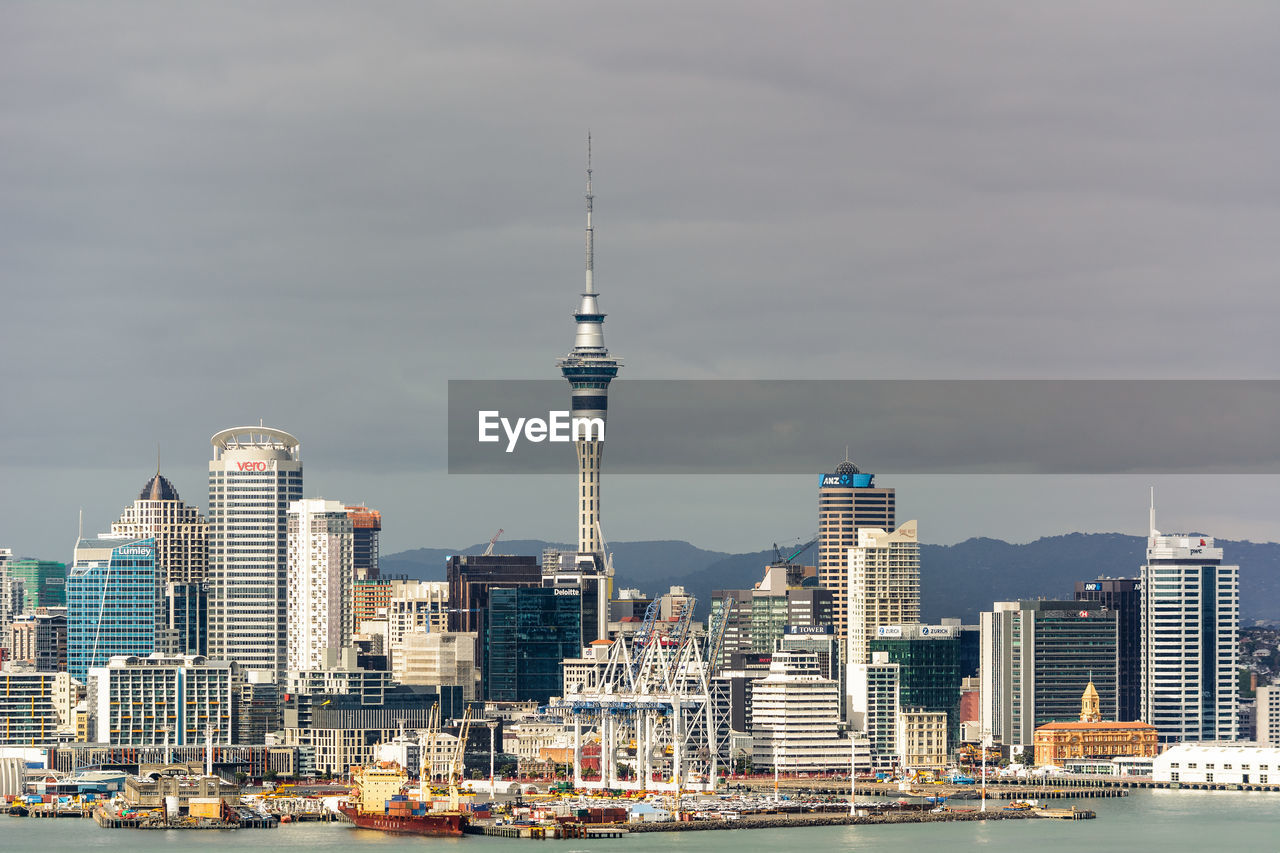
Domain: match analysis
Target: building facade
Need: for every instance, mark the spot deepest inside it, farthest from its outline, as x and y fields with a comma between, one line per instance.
x=181, y=534
x=530, y=632
x=884, y=585
x=922, y=739
x=795, y=718
x=111, y=602
x=321, y=577
x=1269, y=715
x=39, y=639
x=847, y=502
x=1037, y=658
x=255, y=473
x=1190, y=628
x=1093, y=737
x=1124, y=596
x=929, y=672
x=366, y=527
x=43, y=582
x=30, y=712
x=1218, y=764
x=182, y=700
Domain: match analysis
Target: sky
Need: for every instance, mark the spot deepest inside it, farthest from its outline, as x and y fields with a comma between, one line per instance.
x=316, y=214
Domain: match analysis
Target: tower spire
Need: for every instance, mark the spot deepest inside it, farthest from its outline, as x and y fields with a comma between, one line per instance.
x=1151, y=526
x=591, y=249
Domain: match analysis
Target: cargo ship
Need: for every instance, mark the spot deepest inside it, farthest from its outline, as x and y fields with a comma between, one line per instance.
x=379, y=802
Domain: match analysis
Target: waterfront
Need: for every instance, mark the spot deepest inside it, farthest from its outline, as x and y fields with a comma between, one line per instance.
x=1167, y=821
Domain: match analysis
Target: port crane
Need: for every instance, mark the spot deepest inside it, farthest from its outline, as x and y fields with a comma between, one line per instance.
x=459, y=754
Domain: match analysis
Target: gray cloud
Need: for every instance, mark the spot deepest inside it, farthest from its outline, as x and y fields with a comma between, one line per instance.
x=320, y=213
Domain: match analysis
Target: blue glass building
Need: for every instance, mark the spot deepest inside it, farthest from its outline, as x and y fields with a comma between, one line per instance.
x=530, y=632
x=111, y=602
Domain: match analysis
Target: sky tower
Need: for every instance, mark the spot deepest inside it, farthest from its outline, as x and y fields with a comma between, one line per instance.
x=589, y=370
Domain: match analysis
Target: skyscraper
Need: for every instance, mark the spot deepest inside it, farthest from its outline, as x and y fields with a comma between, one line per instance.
x=884, y=585
x=321, y=575
x=182, y=563
x=530, y=632
x=1190, y=623
x=589, y=370
x=1037, y=659
x=847, y=502
x=366, y=526
x=255, y=473
x=111, y=602
x=43, y=582
x=1124, y=596
x=181, y=534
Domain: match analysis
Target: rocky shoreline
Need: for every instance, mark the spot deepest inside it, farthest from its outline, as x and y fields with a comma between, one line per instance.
x=788, y=821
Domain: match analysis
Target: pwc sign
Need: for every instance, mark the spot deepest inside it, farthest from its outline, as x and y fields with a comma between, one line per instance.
x=253, y=466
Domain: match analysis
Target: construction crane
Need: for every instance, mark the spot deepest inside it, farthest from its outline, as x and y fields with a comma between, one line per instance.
x=455, y=769
x=780, y=560
x=494, y=541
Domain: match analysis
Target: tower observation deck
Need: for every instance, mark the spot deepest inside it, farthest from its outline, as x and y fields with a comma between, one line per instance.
x=589, y=369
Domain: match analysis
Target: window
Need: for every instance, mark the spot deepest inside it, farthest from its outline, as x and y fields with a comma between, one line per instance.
x=1173, y=777
x=1208, y=777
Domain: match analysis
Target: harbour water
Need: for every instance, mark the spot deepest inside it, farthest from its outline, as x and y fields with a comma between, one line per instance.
x=1163, y=821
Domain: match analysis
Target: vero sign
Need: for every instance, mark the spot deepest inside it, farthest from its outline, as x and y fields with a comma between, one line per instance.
x=253, y=466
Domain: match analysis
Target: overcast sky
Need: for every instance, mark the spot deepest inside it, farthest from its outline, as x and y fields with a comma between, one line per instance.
x=318, y=213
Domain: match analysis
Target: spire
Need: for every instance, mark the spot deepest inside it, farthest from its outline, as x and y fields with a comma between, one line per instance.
x=591, y=285
x=1151, y=526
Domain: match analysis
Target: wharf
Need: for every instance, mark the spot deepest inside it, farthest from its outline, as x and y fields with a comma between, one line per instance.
x=790, y=821
x=542, y=832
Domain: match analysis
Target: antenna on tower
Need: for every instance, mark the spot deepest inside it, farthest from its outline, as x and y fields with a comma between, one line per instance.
x=1151, y=526
x=591, y=243
x=157, y=459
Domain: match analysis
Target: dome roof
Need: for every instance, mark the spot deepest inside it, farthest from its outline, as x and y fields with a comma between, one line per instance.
x=158, y=489
x=847, y=467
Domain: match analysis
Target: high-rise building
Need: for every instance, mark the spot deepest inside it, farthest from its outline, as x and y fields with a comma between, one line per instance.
x=255, y=473
x=141, y=701
x=878, y=682
x=530, y=632
x=1190, y=627
x=586, y=575
x=589, y=369
x=180, y=532
x=795, y=717
x=1124, y=596
x=1037, y=659
x=321, y=573
x=471, y=579
x=39, y=639
x=848, y=501
x=184, y=614
x=43, y=582
x=884, y=585
x=366, y=526
x=929, y=674
x=111, y=602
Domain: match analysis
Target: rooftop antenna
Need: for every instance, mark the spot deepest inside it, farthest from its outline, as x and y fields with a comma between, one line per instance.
x=157, y=459
x=1152, y=524
x=591, y=250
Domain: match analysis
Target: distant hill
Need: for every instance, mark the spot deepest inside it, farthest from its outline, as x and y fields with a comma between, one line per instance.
x=958, y=580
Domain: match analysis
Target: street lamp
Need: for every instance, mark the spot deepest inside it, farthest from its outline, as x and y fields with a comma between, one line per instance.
x=853, y=775
x=493, y=726
x=986, y=734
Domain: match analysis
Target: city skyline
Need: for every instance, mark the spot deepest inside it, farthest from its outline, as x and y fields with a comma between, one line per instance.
x=833, y=211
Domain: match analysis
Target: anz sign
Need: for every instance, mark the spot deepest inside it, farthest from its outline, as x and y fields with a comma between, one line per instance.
x=846, y=481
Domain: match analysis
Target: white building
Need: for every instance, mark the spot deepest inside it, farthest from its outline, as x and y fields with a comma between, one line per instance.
x=321, y=574
x=255, y=473
x=795, y=718
x=1190, y=624
x=884, y=585
x=144, y=701
x=1218, y=763
x=876, y=685
x=1269, y=715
